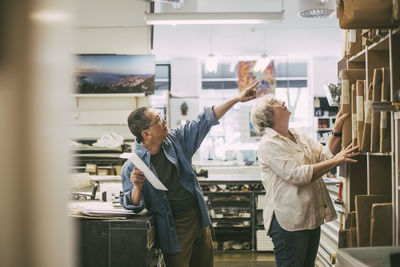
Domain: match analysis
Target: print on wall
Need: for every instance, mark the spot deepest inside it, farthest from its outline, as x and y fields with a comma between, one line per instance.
x=114, y=74
x=247, y=76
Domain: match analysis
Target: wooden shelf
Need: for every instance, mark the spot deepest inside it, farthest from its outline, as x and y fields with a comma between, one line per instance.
x=375, y=173
x=381, y=45
x=359, y=57
x=389, y=154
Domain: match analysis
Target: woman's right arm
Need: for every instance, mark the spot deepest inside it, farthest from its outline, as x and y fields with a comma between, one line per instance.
x=284, y=165
x=345, y=155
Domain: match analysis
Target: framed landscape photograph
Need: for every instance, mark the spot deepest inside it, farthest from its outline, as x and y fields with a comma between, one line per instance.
x=114, y=74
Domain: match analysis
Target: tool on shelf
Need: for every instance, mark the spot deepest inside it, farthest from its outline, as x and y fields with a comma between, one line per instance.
x=94, y=191
x=339, y=199
x=385, y=106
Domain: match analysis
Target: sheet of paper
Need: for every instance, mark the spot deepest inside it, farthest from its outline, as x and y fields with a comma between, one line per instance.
x=125, y=155
x=147, y=172
x=97, y=208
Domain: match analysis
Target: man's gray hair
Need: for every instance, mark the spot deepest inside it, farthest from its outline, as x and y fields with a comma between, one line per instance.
x=262, y=113
x=137, y=122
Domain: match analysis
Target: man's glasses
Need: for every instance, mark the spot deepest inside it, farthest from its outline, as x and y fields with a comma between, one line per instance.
x=159, y=118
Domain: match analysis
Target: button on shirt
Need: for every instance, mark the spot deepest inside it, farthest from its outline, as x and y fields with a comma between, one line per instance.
x=179, y=147
x=286, y=173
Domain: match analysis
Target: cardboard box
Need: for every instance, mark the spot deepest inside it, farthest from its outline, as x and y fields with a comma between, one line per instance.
x=117, y=170
x=101, y=171
x=368, y=14
x=91, y=168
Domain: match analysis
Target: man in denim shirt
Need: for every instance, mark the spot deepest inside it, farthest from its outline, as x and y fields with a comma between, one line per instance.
x=181, y=214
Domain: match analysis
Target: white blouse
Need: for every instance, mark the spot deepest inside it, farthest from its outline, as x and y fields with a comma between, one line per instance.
x=286, y=173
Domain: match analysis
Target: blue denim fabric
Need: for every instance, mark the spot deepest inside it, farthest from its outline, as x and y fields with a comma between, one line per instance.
x=297, y=248
x=179, y=147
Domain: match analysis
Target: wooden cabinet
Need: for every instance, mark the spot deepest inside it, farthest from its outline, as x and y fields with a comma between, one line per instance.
x=107, y=243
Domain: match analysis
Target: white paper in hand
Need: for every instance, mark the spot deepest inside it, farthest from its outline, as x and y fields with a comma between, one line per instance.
x=138, y=162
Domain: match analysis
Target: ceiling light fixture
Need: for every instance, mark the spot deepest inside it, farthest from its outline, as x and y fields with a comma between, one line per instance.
x=263, y=61
x=316, y=8
x=211, y=64
x=213, y=18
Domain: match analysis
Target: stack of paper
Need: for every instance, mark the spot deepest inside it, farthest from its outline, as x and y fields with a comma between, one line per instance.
x=99, y=209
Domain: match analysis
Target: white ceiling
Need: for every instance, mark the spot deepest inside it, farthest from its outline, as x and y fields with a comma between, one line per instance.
x=105, y=26
x=296, y=37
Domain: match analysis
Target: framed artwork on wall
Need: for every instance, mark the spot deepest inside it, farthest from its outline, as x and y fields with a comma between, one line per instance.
x=247, y=75
x=114, y=74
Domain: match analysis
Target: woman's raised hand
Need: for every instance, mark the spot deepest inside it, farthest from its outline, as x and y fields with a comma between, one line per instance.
x=346, y=155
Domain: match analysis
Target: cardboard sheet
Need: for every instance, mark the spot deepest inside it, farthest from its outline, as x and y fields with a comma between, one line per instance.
x=381, y=225
x=349, y=77
x=363, y=205
x=366, y=134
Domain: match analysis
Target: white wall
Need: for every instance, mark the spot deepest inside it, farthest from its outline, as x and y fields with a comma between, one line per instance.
x=92, y=117
x=185, y=88
x=322, y=70
x=185, y=77
x=116, y=27
x=108, y=27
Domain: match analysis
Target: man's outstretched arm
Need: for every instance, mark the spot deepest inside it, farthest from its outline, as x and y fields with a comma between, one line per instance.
x=246, y=95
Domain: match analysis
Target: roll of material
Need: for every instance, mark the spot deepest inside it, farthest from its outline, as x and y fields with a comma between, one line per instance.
x=349, y=77
x=385, y=144
x=368, y=14
x=376, y=115
x=366, y=134
x=354, y=140
x=360, y=86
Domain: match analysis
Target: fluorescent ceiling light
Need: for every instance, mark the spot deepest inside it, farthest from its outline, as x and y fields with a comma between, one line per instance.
x=213, y=18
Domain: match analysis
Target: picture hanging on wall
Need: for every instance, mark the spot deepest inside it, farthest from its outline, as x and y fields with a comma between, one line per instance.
x=114, y=74
x=248, y=76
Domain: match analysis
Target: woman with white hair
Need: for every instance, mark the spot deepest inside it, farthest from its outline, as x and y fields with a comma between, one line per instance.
x=292, y=164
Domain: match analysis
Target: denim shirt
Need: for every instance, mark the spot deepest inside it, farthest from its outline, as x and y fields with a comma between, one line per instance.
x=179, y=147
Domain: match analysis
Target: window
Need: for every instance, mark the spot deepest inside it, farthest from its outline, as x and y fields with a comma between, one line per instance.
x=159, y=101
x=231, y=140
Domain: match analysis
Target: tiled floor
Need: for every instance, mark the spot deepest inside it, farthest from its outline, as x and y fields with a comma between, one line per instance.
x=243, y=259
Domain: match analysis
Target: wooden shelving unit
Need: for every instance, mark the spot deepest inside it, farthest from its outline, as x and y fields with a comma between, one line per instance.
x=374, y=173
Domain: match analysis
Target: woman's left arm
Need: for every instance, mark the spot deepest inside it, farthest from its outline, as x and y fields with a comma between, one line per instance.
x=335, y=139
